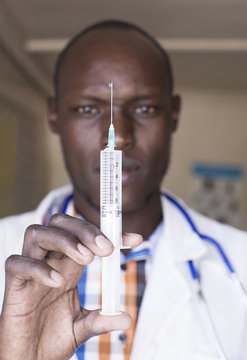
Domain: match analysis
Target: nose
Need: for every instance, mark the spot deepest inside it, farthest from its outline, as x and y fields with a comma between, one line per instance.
x=124, y=131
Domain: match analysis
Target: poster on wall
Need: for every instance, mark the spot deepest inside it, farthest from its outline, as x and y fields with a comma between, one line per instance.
x=217, y=192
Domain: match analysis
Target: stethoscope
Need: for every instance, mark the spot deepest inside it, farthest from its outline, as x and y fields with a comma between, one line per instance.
x=194, y=272
x=196, y=277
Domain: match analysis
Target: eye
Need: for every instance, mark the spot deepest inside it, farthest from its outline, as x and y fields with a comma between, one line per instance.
x=86, y=109
x=145, y=110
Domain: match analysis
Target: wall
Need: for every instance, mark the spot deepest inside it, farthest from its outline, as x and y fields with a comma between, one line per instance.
x=22, y=151
x=212, y=129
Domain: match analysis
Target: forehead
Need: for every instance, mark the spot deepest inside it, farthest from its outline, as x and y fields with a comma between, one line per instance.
x=123, y=56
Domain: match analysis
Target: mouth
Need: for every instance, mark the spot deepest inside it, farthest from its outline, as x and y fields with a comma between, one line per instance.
x=130, y=173
x=131, y=169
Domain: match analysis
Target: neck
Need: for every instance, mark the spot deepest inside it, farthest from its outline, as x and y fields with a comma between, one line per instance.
x=146, y=219
x=142, y=221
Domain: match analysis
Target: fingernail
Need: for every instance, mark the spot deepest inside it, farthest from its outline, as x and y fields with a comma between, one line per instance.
x=83, y=250
x=56, y=276
x=102, y=242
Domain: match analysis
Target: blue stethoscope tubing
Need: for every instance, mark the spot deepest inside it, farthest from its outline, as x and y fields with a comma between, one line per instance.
x=201, y=236
x=195, y=275
x=215, y=243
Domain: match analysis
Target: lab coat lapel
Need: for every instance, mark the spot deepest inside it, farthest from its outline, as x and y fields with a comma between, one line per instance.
x=167, y=290
x=183, y=243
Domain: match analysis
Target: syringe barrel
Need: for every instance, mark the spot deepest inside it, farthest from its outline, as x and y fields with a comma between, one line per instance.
x=111, y=226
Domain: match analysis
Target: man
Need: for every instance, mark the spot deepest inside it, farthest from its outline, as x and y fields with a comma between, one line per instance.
x=41, y=316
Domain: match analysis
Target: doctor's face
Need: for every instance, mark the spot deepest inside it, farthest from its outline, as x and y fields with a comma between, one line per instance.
x=143, y=113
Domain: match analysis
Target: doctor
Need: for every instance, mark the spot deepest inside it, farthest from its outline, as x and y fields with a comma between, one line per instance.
x=183, y=302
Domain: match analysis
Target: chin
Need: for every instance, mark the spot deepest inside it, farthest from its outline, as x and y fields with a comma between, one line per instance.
x=136, y=199
x=129, y=206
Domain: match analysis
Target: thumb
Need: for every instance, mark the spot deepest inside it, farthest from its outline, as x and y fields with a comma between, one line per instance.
x=92, y=323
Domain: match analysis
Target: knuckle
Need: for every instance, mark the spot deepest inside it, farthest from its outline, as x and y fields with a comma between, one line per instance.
x=57, y=219
x=86, y=230
x=90, y=229
x=10, y=263
x=32, y=231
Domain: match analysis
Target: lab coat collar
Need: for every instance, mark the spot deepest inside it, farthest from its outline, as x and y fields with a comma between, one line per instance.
x=183, y=243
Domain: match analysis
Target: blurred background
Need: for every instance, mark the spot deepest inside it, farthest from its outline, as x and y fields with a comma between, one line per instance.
x=207, y=43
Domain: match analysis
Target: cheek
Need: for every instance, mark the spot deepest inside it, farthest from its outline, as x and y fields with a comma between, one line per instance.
x=158, y=157
x=80, y=139
x=155, y=142
x=76, y=157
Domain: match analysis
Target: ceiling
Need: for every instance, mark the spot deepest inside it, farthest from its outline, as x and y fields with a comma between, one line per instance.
x=33, y=31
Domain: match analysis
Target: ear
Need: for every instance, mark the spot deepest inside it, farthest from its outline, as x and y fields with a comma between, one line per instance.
x=176, y=107
x=52, y=114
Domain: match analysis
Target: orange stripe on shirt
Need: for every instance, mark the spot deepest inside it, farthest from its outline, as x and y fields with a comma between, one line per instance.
x=104, y=340
x=75, y=213
x=105, y=346
x=130, y=304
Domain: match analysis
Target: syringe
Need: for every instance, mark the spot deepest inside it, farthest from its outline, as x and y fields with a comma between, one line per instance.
x=111, y=219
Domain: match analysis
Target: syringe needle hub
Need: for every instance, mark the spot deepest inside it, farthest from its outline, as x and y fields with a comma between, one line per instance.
x=111, y=137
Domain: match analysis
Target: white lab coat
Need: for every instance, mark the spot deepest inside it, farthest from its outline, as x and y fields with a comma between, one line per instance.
x=172, y=324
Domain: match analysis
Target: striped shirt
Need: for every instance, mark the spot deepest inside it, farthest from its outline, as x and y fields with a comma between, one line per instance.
x=135, y=267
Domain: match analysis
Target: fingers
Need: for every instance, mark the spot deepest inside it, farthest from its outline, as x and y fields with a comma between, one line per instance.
x=88, y=234
x=132, y=240
x=77, y=239
x=39, y=240
x=95, y=324
x=21, y=269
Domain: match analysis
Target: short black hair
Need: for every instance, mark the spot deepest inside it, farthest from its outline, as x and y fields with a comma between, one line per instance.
x=114, y=24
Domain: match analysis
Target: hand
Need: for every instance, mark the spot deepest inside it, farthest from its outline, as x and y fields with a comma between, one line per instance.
x=41, y=316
